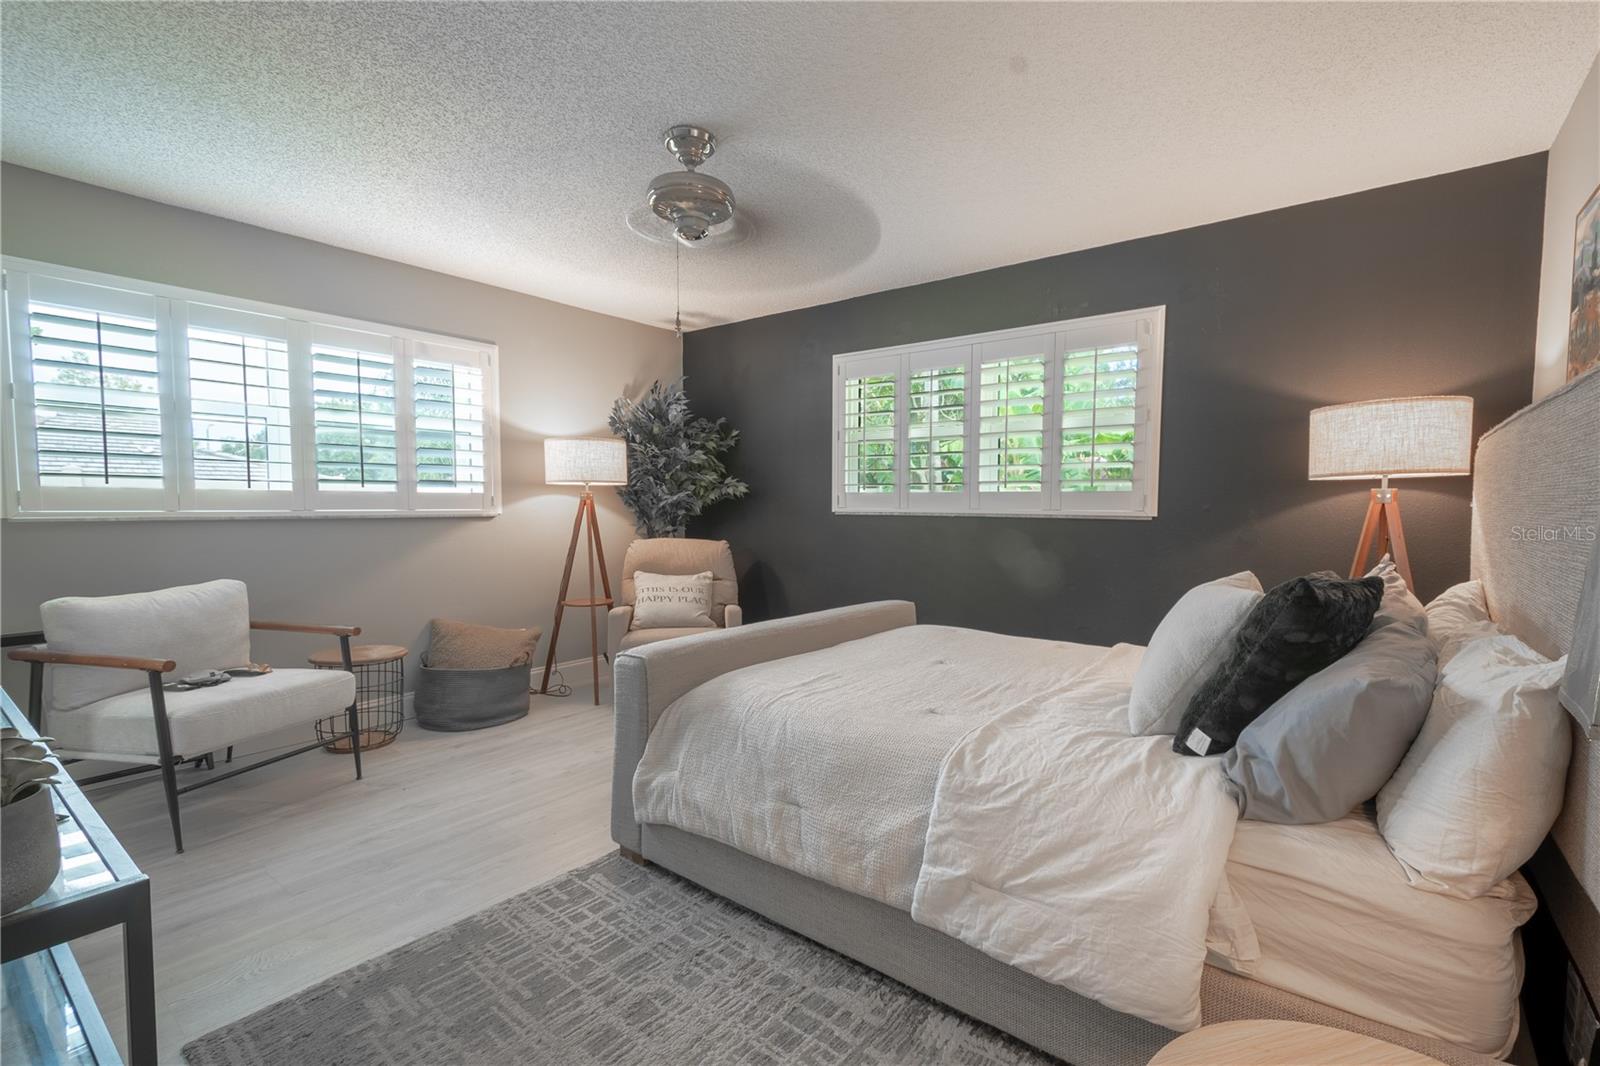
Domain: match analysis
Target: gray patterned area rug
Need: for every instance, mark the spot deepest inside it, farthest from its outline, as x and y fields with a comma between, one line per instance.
x=612, y=963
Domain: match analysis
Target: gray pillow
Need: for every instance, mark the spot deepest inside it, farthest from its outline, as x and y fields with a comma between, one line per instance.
x=1331, y=742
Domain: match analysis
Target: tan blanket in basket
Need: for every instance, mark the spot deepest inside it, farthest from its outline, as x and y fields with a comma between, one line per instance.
x=466, y=646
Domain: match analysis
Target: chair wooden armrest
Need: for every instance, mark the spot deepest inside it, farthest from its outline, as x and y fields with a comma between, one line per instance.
x=307, y=627
x=115, y=662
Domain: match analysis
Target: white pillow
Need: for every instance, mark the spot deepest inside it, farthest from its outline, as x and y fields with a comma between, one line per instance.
x=1186, y=648
x=1483, y=781
x=200, y=627
x=1398, y=603
x=672, y=601
x=1458, y=614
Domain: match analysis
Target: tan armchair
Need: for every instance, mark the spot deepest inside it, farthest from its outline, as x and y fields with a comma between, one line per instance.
x=674, y=555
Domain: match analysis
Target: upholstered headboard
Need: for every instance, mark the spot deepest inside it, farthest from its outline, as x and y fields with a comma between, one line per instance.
x=1535, y=514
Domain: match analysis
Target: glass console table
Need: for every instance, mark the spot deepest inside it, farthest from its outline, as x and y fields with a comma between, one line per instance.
x=48, y=1014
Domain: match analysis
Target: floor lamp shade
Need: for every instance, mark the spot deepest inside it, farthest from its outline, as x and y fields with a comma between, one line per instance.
x=585, y=461
x=1414, y=436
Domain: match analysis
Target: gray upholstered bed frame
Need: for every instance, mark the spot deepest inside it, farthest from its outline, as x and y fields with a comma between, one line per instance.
x=1048, y=1016
x=1535, y=519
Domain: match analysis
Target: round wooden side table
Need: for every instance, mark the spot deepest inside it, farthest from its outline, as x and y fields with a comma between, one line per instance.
x=380, y=695
x=1276, y=1043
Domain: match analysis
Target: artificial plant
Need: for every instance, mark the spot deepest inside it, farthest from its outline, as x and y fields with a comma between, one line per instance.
x=675, y=465
x=23, y=766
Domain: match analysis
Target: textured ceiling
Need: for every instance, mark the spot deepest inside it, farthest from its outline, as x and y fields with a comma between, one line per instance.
x=873, y=146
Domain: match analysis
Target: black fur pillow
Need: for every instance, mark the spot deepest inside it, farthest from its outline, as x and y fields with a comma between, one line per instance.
x=1298, y=628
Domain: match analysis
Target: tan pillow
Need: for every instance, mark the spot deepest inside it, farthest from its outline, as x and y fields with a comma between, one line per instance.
x=672, y=601
x=466, y=646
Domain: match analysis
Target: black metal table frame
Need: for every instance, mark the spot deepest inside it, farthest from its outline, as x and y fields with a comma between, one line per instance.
x=124, y=902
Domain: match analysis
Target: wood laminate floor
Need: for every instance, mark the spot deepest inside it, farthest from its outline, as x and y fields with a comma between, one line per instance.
x=297, y=871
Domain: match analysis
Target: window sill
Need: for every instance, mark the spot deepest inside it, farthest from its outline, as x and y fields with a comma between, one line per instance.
x=1125, y=515
x=213, y=516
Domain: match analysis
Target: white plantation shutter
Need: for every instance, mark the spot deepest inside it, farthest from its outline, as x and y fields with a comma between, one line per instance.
x=237, y=443
x=89, y=369
x=1061, y=419
x=1014, y=432
x=356, y=433
x=870, y=415
x=1106, y=436
x=938, y=471
x=450, y=412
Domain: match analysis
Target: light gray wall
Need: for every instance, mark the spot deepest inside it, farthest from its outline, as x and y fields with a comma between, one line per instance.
x=1570, y=180
x=560, y=369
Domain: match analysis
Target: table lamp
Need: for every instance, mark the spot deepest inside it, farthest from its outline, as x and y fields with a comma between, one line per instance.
x=585, y=461
x=1411, y=436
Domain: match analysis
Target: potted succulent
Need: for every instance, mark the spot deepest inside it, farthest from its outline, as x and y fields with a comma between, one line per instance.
x=30, y=848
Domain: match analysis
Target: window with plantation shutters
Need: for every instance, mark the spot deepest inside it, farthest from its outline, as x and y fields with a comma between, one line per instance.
x=870, y=410
x=1013, y=428
x=451, y=423
x=238, y=447
x=936, y=429
x=88, y=382
x=354, y=413
x=1061, y=419
x=1099, y=393
x=135, y=399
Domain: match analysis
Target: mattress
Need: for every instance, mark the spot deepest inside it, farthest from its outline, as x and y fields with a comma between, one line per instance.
x=1337, y=922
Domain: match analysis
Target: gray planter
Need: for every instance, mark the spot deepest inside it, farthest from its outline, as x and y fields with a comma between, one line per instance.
x=30, y=849
x=456, y=700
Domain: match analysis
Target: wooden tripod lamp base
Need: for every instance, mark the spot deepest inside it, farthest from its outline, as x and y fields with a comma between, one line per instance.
x=1382, y=529
x=587, y=526
x=583, y=461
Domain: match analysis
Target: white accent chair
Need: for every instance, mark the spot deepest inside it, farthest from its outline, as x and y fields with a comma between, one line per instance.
x=674, y=555
x=106, y=700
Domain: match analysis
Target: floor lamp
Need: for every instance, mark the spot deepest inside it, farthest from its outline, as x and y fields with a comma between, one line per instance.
x=585, y=461
x=1412, y=436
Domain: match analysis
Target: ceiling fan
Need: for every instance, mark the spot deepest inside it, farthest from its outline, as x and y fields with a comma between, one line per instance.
x=686, y=207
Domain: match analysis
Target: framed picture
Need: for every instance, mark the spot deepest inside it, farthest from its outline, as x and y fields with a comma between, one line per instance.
x=1583, y=328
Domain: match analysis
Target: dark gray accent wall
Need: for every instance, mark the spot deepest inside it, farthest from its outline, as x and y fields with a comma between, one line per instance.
x=1426, y=287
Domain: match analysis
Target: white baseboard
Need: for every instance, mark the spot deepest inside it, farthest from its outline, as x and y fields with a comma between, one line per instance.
x=536, y=675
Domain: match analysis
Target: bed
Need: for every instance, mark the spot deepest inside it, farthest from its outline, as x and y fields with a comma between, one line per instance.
x=745, y=761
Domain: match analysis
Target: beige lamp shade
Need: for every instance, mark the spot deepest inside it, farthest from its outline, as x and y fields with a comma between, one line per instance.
x=585, y=461
x=1412, y=436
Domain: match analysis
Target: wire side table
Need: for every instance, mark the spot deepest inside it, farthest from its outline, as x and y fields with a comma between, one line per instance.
x=380, y=695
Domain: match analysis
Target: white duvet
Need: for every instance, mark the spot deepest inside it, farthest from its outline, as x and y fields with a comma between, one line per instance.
x=825, y=763
x=1063, y=846
x=985, y=783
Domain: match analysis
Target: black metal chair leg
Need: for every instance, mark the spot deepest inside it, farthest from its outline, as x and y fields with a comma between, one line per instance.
x=36, y=695
x=355, y=738
x=169, y=773
x=355, y=716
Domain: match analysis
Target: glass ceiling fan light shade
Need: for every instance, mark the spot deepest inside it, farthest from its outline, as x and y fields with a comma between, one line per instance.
x=585, y=461
x=1410, y=436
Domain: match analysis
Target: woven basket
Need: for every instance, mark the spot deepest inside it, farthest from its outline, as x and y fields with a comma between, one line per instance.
x=458, y=700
